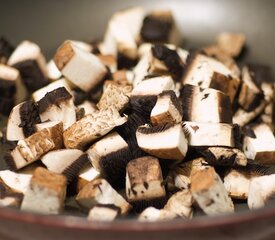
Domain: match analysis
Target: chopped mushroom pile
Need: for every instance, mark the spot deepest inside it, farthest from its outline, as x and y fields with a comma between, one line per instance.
x=135, y=125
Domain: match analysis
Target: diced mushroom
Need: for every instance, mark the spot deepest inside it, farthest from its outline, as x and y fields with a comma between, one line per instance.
x=250, y=95
x=105, y=149
x=205, y=105
x=89, y=107
x=103, y=213
x=241, y=117
x=22, y=121
x=34, y=147
x=83, y=45
x=109, y=61
x=144, y=181
x=83, y=69
x=39, y=94
x=154, y=86
x=11, y=86
x=216, y=52
x=112, y=95
x=91, y=127
x=260, y=145
x=123, y=33
x=46, y=193
x=209, y=192
x=207, y=72
x=8, y=196
x=167, y=109
x=181, y=204
x=209, y=134
x=180, y=176
x=58, y=105
x=19, y=182
x=53, y=71
x=68, y=162
x=152, y=214
x=223, y=156
x=100, y=191
x=160, y=26
x=6, y=50
x=123, y=77
x=261, y=191
x=31, y=63
x=237, y=181
x=166, y=141
x=231, y=43
x=166, y=60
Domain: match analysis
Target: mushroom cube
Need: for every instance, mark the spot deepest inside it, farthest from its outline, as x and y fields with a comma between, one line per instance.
x=209, y=192
x=166, y=141
x=46, y=193
x=103, y=213
x=31, y=63
x=144, y=181
x=167, y=109
x=6, y=50
x=100, y=191
x=83, y=69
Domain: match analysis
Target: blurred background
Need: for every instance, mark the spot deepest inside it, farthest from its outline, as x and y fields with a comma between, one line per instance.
x=50, y=22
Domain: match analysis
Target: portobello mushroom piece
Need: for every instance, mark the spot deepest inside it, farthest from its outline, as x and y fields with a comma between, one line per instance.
x=160, y=27
x=144, y=183
x=167, y=109
x=6, y=49
x=31, y=63
x=108, y=145
x=112, y=95
x=206, y=72
x=81, y=68
x=166, y=141
x=261, y=192
x=86, y=175
x=22, y=121
x=100, y=191
x=205, y=105
x=231, y=44
x=109, y=61
x=123, y=77
x=123, y=33
x=180, y=176
x=18, y=182
x=209, y=192
x=103, y=213
x=88, y=106
x=165, y=59
x=58, y=105
x=152, y=214
x=154, y=86
x=180, y=204
x=46, y=193
x=91, y=127
x=53, y=72
x=34, y=147
x=11, y=85
x=250, y=96
x=39, y=94
x=260, y=144
x=237, y=181
x=68, y=162
x=9, y=197
x=216, y=52
x=210, y=134
x=224, y=156
x=242, y=117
